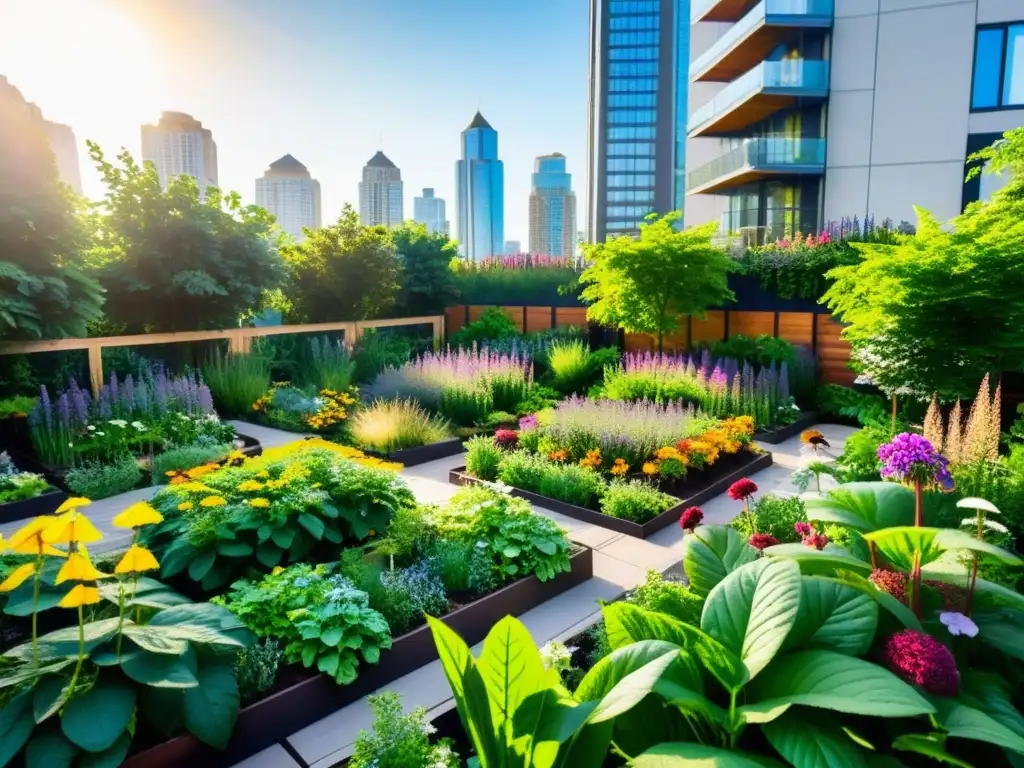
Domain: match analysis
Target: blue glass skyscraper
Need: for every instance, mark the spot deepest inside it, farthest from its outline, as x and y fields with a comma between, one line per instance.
x=480, y=192
x=639, y=64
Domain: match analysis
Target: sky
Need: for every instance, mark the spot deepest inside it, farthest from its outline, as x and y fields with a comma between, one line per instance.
x=328, y=81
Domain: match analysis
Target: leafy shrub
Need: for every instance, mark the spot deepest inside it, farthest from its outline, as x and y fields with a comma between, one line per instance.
x=836, y=401
x=399, y=740
x=256, y=669
x=523, y=470
x=411, y=531
x=188, y=456
x=636, y=501
x=17, y=406
x=483, y=458
x=775, y=516
x=406, y=594
x=392, y=425
x=570, y=366
x=100, y=481
x=286, y=505
x=572, y=484
x=236, y=381
x=319, y=616
x=493, y=325
x=497, y=419
x=376, y=351
x=537, y=399
x=18, y=486
x=859, y=460
x=762, y=350
x=670, y=596
x=462, y=566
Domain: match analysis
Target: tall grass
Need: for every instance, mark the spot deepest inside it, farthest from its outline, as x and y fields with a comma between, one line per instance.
x=236, y=381
x=332, y=367
x=570, y=365
x=392, y=425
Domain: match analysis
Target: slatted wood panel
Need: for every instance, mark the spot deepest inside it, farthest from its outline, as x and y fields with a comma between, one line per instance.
x=640, y=342
x=797, y=327
x=515, y=314
x=566, y=316
x=454, y=318
x=711, y=329
x=833, y=353
x=476, y=311
x=751, y=324
x=648, y=342
x=538, y=319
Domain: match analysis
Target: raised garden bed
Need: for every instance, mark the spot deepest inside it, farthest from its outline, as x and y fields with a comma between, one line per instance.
x=775, y=436
x=44, y=504
x=716, y=482
x=410, y=457
x=313, y=697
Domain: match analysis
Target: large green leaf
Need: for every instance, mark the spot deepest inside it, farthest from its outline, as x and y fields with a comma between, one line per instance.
x=987, y=594
x=162, y=670
x=834, y=615
x=864, y=506
x=830, y=680
x=155, y=639
x=16, y=724
x=210, y=708
x=604, y=675
x=903, y=546
x=629, y=691
x=49, y=696
x=201, y=564
x=752, y=610
x=64, y=642
x=94, y=720
x=964, y=722
x=683, y=754
x=1003, y=630
x=110, y=758
x=205, y=623
x=49, y=748
x=819, y=561
x=931, y=745
x=313, y=524
x=543, y=722
x=511, y=668
x=813, y=742
x=990, y=694
x=950, y=538
x=626, y=623
x=690, y=700
x=902, y=613
x=711, y=553
x=162, y=708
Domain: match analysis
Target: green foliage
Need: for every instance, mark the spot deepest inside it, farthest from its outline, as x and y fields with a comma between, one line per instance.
x=462, y=566
x=405, y=595
x=498, y=419
x=537, y=399
x=44, y=291
x=18, y=486
x=761, y=351
x=270, y=511
x=859, y=460
x=834, y=400
x=668, y=596
x=774, y=515
x=331, y=365
x=236, y=381
x=392, y=425
x=256, y=669
x=493, y=325
x=529, y=281
x=573, y=366
x=636, y=501
x=483, y=457
x=797, y=270
x=184, y=458
x=570, y=483
x=646, y=285
x=345, y=271
x=375, y=351
x=399, y=740
x=320, y=617
x=178, y=260
x=94, y=480
x=410, y=532
x=428, y=285
x=17, y=406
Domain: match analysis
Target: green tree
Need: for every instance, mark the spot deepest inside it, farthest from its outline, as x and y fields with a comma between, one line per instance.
x=941, y=308
x=43, y=291
x=646, y=285
x=173, y=260
x=428, y=284
x=346, y=271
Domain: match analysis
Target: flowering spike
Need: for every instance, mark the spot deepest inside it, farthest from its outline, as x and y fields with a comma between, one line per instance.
x=933, y=431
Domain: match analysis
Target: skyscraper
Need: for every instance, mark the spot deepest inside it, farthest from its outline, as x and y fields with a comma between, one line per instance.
x=288, y=192
x=480, y=192
x=512, y=248
x=552, y=208
x=380, y=193
x=429, y=211
x=178, y=145
x=639, y=60
x=61, y=137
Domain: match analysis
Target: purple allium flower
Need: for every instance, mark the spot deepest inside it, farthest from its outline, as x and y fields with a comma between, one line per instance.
x=923, y=661
x=958, y=624
x=893, y=582
x=762, y=540
x=910, y=457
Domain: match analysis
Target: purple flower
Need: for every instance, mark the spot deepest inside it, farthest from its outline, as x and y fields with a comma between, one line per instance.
x=804, y=529
x=958, y=624
x=80, y=401
x=923, y=661
x=911, y=458
x=205, y=399
x=47, y=406
x=105, y=409
x=528, y=422
x=64, y=411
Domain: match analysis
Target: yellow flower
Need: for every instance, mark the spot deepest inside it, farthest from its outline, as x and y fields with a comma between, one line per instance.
x=80, y=595
x=136, y=560
x=263, y=473
x=277, y=569
x=620, y=467
x=71, y=527
x=170, y=473
x=259, y=503
x=71, y=503
x=78, y=568
x=650, y=468
x=213, y=501
x=138, y=514
x=250, y=485
x=18, y=577
x=28, y=540
x=185, y=506
x=195, y=487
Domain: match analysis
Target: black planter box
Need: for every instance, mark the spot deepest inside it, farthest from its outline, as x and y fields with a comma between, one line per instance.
x=291, y=709
x=44, y=504
x=715, y=486
x=410, y=457
x=775, y=436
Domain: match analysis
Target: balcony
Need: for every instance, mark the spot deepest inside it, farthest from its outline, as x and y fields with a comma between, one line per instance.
x=763, y=91
x=718, y=10
x=758, y=159
x=753, y=38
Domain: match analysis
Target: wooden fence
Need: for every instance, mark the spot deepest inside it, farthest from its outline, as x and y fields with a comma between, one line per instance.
x=239, y=339
x=813, y=329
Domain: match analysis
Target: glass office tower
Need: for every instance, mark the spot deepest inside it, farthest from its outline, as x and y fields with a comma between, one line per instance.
x=639, y=60
x=480, y=192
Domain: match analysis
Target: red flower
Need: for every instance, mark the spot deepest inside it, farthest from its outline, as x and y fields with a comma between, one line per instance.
x=691, y=518
x=816, y=540
x=922, y=660
x=506, y=438
x=804, y=529
x=954, y=598
x=742, y=489
x=762, y=540
x=893, y=582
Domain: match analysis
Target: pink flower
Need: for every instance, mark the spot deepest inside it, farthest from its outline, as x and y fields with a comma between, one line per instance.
x=762, y=540
x=804, y=529
x=893, y=582
x=816, y=540
x=506, y=438
x=691, y=518
x=742, y=489
x=923, y=661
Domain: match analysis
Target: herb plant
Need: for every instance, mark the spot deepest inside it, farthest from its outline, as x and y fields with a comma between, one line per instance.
x=400, y=740
x=95, y=480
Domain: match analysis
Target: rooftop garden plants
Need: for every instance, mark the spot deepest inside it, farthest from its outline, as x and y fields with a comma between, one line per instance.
x=386, y=426
x=16, y=485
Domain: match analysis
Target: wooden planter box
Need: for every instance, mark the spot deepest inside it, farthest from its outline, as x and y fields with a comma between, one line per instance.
x=281, y=714
x=714, y=487
x=410, y=457
x=775, y=436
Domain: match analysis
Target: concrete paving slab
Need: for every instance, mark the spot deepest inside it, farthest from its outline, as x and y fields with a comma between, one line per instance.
x=271, y=757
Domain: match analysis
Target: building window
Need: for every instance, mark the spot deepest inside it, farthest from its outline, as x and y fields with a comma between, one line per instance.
x=631, y=132
x=999, y=67
x=634, y=22
x=627, y=211
x=633, y=54
x=630, y=164
x=644, y=196
x=630, y=149
x=649, y=37
x=632, y=100
x=639, y=116
x=634, y=6
x=633, y=69
x=632, y=84
x=630, y=180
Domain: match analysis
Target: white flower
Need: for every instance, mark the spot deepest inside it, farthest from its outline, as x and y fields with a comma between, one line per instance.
x=139, y=425
x=555, y=655
x=71, y=445
x=118, y=423
x=992, y=525
x=91, y=428
x=958, y=624
x=100, y=434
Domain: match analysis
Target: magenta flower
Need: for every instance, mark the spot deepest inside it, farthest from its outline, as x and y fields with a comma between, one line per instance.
x=506, y=438
x=804, y=529
x=742, y=490
x=528, y=422
x=923, y=661
x=893, y=582
x=691, y=518
x=762, y=540
x=816, y=540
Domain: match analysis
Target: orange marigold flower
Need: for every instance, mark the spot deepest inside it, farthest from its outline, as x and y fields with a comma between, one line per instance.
x=650, y=468
x=558, y=455
x=620, y=467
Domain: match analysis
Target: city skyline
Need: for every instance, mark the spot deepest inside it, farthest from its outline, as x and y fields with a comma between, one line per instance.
x=480, y=192
x=381, y=193
x=429, y=210
x=298, y=83
x=552, y=208
x=288, y=191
